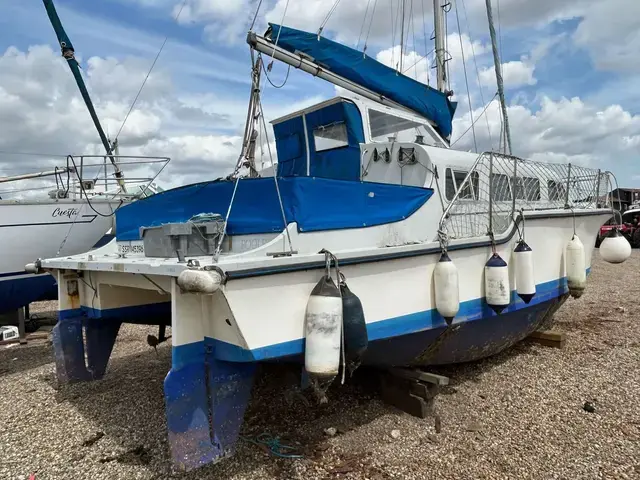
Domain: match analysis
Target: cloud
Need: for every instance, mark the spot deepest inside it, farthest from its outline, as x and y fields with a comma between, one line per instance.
x=41, y=111
x=567, y=130
x=609, y=31
x=515, y=74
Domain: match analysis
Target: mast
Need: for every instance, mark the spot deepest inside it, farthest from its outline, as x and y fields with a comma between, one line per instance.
x=497, y=63
x=438, y=23
x=68, y=53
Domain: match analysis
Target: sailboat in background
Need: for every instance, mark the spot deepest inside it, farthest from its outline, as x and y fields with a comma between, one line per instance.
x=367, y=192
x=66, y=208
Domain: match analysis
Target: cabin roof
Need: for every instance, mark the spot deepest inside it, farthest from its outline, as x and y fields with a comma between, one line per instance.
x=311, y=108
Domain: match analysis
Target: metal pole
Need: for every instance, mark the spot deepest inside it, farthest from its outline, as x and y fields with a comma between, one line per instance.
x=514, y=187
x=68, y=53
x=598, y=190
x=566, y=193
x=491, y=193
x=438, y=24
x=498, y=68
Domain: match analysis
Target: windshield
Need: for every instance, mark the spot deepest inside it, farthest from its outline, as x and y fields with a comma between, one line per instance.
x=384, y=125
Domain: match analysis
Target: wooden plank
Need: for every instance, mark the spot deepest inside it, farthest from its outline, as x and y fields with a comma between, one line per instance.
x=428, y=392
x=548, y=338
x=394, y=394
x=32, y=336
x=22, y=334
x=415, y=374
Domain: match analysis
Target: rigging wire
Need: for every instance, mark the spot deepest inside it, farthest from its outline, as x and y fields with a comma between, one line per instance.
x=466, y=81
x=393, y=33
x=475, y=62
x=423, y=57
x=413, y=35
x=364, y=20
x=478, y=118
x=402, y=36
x=275, y=176
x=327, y=17
x=255, y=17
x=273, y=53
x=370, y=24
x=284, y=82
x=144, y=82
x=424, y=27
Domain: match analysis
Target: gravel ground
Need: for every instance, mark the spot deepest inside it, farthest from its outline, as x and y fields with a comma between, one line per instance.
x=517, y=415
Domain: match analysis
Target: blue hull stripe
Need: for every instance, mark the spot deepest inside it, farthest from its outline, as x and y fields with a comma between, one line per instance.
x=470, y=311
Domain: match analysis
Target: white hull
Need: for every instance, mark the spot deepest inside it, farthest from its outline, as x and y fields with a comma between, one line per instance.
x=32, y=230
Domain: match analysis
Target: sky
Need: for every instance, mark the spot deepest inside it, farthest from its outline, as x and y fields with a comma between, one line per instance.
x=570, y=70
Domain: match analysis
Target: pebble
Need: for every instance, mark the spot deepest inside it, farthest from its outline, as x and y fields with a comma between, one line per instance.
x=395, y=434
x=523, y=402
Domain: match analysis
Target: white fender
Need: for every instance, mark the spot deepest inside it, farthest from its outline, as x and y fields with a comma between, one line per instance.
x=525, y=278
x=576, y=267
x=615, y=248
x=496, y=283
x=323, y=331
x=199, y=281
x=447, y=288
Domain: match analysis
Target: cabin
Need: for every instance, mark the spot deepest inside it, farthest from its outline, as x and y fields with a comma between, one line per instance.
x=337, y=139
x=357, y=139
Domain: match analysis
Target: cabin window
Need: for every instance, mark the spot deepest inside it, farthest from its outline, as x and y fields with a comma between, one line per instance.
x=384, y=125
x=500, y=187
x=556, y=190
x=454, y=179
x=528, y=188
x=328, y=137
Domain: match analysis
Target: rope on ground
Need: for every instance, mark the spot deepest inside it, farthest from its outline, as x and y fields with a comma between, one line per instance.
x=273, y=446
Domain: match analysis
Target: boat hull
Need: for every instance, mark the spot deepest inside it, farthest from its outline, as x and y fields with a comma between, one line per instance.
x=32, y=230
x=465, y=342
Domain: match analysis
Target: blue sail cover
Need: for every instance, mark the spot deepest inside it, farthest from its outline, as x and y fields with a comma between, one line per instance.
x=369, y=73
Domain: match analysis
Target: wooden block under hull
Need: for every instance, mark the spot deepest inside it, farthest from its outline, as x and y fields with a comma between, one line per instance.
x=548, y=338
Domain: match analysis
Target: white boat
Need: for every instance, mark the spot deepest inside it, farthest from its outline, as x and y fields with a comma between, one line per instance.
x=453, y=256
x=66, y=220
x=67, y=209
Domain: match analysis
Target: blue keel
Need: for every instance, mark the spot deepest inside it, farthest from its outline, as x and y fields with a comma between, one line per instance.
x=205, y=404
x=70, y=346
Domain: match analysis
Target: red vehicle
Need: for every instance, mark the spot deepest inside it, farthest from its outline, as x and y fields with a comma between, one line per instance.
x=630, y=227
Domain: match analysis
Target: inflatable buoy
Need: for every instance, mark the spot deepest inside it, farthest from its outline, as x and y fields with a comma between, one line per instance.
x=496, y=283
x=615, y=248
x=576, y=269
x=323, y=331
x=445, y=279
x=523, y=264
x=356, y=339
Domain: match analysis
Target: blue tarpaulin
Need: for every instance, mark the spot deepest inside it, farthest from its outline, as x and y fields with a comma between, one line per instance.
x=369, y=73
x=341, y=163
x=314, y=203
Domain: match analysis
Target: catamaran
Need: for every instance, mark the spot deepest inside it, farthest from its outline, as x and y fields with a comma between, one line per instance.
x=371, y=242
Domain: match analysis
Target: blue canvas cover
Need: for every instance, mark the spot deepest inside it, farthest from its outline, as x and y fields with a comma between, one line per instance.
x=341, y=163
x=369, y=73
x=314, y=203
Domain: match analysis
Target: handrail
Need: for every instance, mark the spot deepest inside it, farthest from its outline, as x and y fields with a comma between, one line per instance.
x=502, y=184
